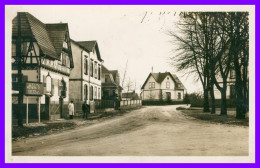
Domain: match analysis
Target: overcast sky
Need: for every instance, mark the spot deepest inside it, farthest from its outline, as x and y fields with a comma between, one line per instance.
x=132, y=33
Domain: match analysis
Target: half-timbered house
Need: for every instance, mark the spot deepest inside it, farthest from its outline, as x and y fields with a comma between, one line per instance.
x=45, y=57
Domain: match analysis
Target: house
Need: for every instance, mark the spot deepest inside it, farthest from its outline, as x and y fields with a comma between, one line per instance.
x=111, y=88
x=46, y=58
x=162, y=87
x=130, y=96
x=231, y=90
x=85, y=78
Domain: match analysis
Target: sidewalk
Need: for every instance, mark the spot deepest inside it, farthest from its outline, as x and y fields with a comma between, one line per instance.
x=47, y=127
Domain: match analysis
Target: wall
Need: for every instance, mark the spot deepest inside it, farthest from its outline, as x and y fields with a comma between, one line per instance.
x=168, y=79
x=151, y=94
x=218, y=94
x=76, y=72
x=130, y=103
x=57, y=76
x=75, y=90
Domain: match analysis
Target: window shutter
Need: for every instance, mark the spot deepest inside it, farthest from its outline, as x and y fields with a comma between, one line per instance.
x=84, y=93
x=85, y=67
x=52, y=86
x=59, y=87
x=44, y=83
x=68, y=61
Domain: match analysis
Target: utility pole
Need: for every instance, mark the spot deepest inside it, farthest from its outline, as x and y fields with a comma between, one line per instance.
x=20, y=76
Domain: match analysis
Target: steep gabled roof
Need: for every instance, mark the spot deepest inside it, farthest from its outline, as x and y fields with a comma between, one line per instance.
x=32, y=26
x=114, y=73
x=180, y=84
x=104, y=69
x=90, y=46
x=159, y=77
x=57, y=33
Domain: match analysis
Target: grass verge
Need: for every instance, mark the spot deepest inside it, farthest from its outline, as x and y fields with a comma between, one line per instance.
x=215, y=118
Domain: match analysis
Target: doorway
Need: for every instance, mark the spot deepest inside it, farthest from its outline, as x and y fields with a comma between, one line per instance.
x=47, y=107
x=168, y=96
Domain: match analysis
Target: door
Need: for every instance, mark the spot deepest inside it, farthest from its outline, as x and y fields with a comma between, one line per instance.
x=168, y=94
x=61, y=105
x=47, y=107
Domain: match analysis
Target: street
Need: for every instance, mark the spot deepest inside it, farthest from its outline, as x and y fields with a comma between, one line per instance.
x=149, y=131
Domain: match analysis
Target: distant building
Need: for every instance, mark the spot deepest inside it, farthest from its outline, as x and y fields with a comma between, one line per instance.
x=130, y=96
x=46, y=58
x=85, y=78
x=231, y=90
x=111, y=88
x=162, y=87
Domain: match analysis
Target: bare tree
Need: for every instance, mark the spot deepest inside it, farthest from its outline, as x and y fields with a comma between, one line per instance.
x=238, y=31
x=123, y=80
x=190, y=57
x=210, y=44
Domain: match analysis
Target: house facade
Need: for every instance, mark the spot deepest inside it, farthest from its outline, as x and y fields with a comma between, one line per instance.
x=46, y=58
x=85, y=78
x=231, y=90
x=111, y=88
x=162, y=87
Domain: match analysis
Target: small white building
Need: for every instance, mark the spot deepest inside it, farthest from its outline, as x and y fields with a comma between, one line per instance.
x=162, y=87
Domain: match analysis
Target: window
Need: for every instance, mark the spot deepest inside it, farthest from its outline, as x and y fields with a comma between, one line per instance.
x=85, y=92
x=232, y=74
x=91, y=69
x=91, y=93
x=99, y=93
x=232, y=91
x=98, y=72
x=14, y=77
x=68, y=61
x=13, y=49
x=64, y=58
x=95, y=74
x=86, y=66
x=151, y=84
x=179, y=95
x=95, y=92
x=167, y=84
x=65, y=45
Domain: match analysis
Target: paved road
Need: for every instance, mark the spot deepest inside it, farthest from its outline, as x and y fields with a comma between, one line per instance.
x=150, y=131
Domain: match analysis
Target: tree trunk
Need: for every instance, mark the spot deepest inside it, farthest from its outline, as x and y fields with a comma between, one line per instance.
x=206, y=101
x=213, y=107
x=240, y=103
x=223, y=102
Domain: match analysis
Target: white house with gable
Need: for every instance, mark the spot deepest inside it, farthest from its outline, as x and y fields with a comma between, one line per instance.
x=162, y=87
